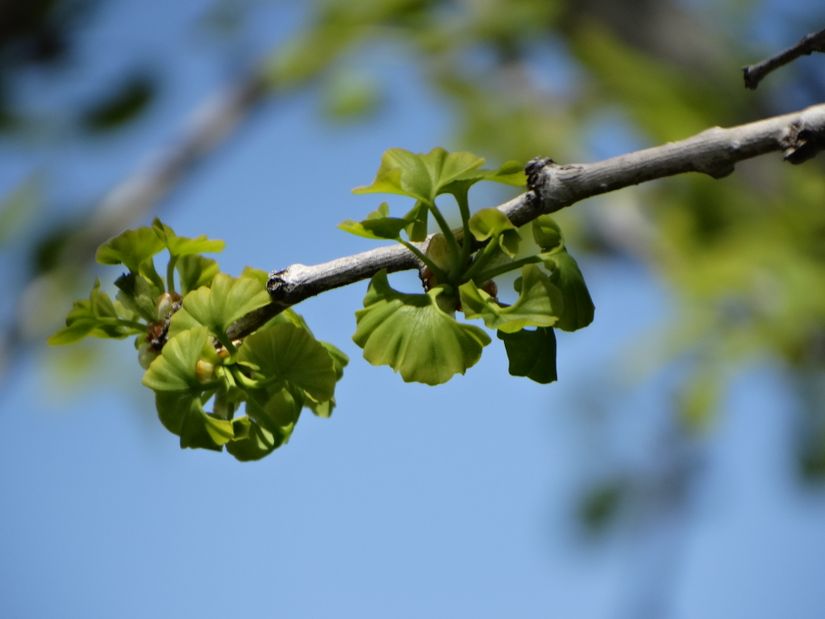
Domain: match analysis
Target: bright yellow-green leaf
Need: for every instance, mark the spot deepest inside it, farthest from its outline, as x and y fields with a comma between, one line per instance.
x=491, y=223
x=547, y=233
x=413, y=335
x=251, y=441
x=184, y=246
x=97, y=317
x=195, y=271
x=131, y=248
x=182, y=414
x=176, y=369
x=226, y=300
x=287, y=353
x=377, y=225
x=539, y=303
x=420, y=176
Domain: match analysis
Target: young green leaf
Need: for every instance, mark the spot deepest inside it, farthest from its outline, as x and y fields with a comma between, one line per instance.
x=547, y=233
x=184, y=246
x=413, y=335
x=491, y=223
x=276, y=412
x=287, y=353
x=420, y=176
x=225, y=301
x=539, y=303
x=195, y=271
x=251, y=441
x=176, y=369
x=377, y=225
x=578, y=309
x=182, y=414
x=510, y=173
x=339, y=362
x=532, y=353
x=132, y=248
x=97, y=317
x=138, y=294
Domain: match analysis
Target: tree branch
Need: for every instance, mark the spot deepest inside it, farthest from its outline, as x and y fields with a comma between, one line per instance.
x=551, y=187
x=810, y=43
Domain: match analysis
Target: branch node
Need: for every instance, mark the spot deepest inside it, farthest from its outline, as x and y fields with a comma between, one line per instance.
x=535, y=171
x=801, y=143
x=278, y=287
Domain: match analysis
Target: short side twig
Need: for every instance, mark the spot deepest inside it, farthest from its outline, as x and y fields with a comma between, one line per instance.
x=809, y=44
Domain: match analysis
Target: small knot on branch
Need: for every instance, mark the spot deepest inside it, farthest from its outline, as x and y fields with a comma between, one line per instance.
x=802, y=143
x=278, y=287
x=535, y=172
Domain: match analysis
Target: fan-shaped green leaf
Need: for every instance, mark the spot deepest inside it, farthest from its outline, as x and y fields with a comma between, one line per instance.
x=532, y=353
x=225, y=301
x=414, y=336
x=251, y=441
x=578, y=308
x=547, y=233
x=539, y=303
x=195, y=271
x=95, y=316
x=131, y=248
x=138, y=294
x=182, y=414
x=285, y=352
x=420, y=176
x=491, y=223
x=377, y=225
x=176, y=369
x=184, y=246
x=277, y=412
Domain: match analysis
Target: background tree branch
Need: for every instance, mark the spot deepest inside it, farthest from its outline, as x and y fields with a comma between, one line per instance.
x=810, y=43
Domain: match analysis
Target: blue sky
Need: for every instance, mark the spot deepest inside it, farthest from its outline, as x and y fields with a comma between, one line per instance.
x=411, y=501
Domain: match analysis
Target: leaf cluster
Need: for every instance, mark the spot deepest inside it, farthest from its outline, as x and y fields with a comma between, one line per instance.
x=418, y=335
x=201, y=378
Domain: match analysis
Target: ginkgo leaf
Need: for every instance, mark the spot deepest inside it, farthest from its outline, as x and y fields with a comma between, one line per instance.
x=539, y=303
x=532, y=353
x=420, y=176
x=195, y=271
x=339, y=362
x=176, y=369
x=226, y=300
x=377, y=225
x=138, y=294
x=578, y=309
x=97, y=317
x=251, y=441
x=510, y=173
x=184, y=246
x=277, y=412
x=182, y=413
x=413, y=335
x=547, y=233
x=132, y=248
x=491, y=223
x=287, y=353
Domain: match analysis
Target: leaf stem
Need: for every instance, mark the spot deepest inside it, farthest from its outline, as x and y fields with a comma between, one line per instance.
x=436, y=270
x=455, y=250
x=466, y=240
x=483, y=257
x=506, y=268
x=170, y=274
